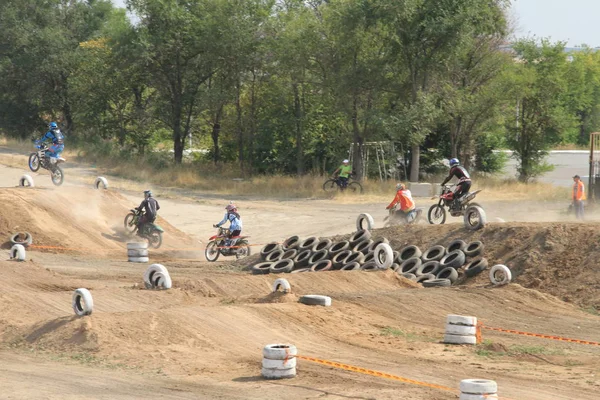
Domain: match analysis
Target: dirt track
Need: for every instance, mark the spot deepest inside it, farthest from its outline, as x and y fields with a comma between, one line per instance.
x=203, y=338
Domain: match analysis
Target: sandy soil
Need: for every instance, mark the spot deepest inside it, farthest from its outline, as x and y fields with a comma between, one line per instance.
x=203, y=338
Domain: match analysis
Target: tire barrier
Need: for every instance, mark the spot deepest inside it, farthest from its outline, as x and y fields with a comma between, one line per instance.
x=283, y=284
x=291, y=243
x=339, y=247
x=101, y=181
x=384, y=256
x=308, y=243
x=323, y=244
x=23, y=238
x=320, y=266
x=461, y=329
x=279, y=361
x=500, y=275
x=275, y=255
x=137, y=252
x=82, y=302
x=475, y=267
x=359, y=236
x=474, y=218
x=409, y=252
x=26, y=181
x=282, y=266
x=157, y=277
x=363, y=246
x=434, y=253
x=365, y=218
x=17, y=252
x=301, y=259
x=269, y=247
x=262, y=268
x=315, y=300
x=478, y=389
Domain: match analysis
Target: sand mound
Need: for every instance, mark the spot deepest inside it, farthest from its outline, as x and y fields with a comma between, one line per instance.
x=71, y=219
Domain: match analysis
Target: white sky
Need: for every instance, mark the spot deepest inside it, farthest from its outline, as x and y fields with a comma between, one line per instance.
x=572, y=21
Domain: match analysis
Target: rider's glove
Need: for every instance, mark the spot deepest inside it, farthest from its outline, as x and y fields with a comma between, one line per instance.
x=215, y=225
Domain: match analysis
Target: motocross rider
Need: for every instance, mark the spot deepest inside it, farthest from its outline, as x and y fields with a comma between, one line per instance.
x=235, y=223
x=150, y=207
x=54, y=134
x=464, y=181
x=406, y=202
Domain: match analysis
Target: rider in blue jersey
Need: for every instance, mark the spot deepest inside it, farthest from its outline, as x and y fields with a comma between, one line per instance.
x=55, y=135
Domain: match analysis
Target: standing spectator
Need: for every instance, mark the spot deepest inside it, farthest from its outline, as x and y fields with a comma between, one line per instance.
x=578, y=196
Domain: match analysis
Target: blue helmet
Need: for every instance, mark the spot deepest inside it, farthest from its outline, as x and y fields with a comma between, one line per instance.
x=53, y=125
x=454, y=161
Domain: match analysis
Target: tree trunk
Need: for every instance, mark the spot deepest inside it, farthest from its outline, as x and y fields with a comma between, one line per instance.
x=216, y=130
x=415, y=159
x=357, y=161
x=240, y=130
x=299, y=130
x=177, y=132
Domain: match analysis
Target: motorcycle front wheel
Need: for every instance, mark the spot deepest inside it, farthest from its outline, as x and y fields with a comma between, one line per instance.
x=57, y=176
x=34, y=162
x=155, y=239
x=436, y=214
x=130, y=223
x=212, y=251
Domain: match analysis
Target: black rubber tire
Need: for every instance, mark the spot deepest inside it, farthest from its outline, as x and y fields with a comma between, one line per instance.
x=322, y=265
x=268, y=248
x=409, y=252
x=275, y=255
x=340, y=258
x=129, y=224
x=422, y=278
x=430, y=267
x=409, y=276
x=447, y=273
x=300, y=270
x=290, y=253
x=474, y=218
x=474, y=249
x=370, y=267
x=359, y=236
x=410, y=266
x=34, y=157
x=338, y=247
x=57, y=176
x=262, y=268
x=377, y=243
x=369, y=257
x=301, y=259
x=436, y=283
x=291, y=243
x=456, y=259
x=212, y=251
x=318, y=256
x=25, y=242
x=475, y=267
x=363, y=247
x=434, y=253
x=282, y=266
x=353, y=266
x=457, y=244
x=355, y=257
x=436, y=214
x=323, y=244
x=354, y=187
x=308, y=243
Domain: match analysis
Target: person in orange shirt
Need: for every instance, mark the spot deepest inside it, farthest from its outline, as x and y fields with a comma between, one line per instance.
x=404, y=203
x=578, y=196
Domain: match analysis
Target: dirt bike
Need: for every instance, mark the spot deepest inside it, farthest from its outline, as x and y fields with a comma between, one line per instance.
x=335, y=183
x=150, y=231
x=238, y=245
x=39, y=159
x=472, y=212
x=397, y=217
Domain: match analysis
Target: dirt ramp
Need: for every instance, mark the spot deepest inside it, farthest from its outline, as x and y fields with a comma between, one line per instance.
x=71, y=219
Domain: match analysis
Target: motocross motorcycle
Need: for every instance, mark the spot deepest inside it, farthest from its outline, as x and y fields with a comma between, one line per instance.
x=238, y=246
x=397, y=217
x=39, y=159
x=150, y=231
x=472, y=212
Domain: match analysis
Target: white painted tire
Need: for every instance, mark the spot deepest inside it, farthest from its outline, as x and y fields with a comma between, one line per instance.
x=138, y=259
x=500, y=275
x=279, y=351
x=137, y=253
x=149, y=278
x=460, y=330
x=283, y=284
x=279, y=364
x=26, y=180
x=315, y=300
x=384, y=256
x=365, y=217
x=278, y=373
x=137, y=245
x=17, y=252
x=161, y=281
x=460, y=339
x=82, y=302
x=461, y=320
x=478, y=386
x=101, y=181
x=467, y=396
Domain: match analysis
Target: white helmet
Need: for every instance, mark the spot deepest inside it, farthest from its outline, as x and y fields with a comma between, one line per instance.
x=345, y=161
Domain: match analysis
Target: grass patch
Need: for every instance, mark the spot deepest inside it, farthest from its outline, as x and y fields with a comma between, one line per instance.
x=412, y=337
x=490, y=350
x=591, y=310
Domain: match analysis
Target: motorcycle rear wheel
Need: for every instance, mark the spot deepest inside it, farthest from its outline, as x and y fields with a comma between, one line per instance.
x=155, y=239
x=212, y=251
x=436, y=214
x=34, y=162
x=243, y=250
x=57, y=175
x=129, y=223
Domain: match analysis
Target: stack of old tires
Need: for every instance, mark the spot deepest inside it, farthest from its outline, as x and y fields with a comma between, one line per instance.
x=439, y=265
x=312, y=254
